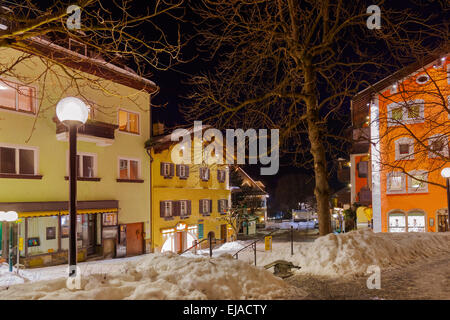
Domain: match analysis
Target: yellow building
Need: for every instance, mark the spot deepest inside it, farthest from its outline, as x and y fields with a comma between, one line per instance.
x=113, y=166
x=188, y=200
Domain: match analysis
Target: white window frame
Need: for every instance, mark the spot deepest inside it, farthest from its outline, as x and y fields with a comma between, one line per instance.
x=168, y=206
x=182, y=172
x=17, y=163
x=206, y=208
x=183, y=203
x=404, y=106
x=128, y=122
x=404, y=140
x=422, y=75
x=397, y=214
x=128, y=167
x=166, y=165
x=34, y=100
x=444, y=152
x=412, y=189
x=389, y=175
x=82, y=154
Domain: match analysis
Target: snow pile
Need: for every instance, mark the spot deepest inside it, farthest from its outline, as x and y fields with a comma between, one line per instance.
x=166, y=276
x=351, y=253
x=302, y=225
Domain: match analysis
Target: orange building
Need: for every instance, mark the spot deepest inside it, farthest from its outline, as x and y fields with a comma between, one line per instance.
x=401, y=127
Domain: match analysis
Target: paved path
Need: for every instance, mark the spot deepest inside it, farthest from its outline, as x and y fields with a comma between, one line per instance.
x=424, y=280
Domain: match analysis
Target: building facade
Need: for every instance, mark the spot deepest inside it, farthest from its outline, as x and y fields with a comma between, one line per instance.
x=188, y=200
x=113, y=166
x=400, y=133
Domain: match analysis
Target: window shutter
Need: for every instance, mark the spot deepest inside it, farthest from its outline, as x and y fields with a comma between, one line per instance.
x=162, y=168
x=219, y=178
x=178, y=170
x=219, y=206
x=187, y=171
x=207, y=174
x=200, y=206
x=210, y=206
x=172, y=169
x=188, y=209
x=176, y=209
x=161, y=209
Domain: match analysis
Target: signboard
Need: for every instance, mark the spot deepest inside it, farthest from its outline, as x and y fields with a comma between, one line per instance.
x=109, y=233
x=268, y=243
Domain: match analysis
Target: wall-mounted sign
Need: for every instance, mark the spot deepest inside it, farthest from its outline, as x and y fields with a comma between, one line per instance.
x=34, y=242
x=109, y=233
x=110, y=219
x=50, y=233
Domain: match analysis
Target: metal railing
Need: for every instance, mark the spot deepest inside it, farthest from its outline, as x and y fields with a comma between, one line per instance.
x=253, y=244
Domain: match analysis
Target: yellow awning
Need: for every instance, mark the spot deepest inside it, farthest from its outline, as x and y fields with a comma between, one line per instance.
x=64, y=212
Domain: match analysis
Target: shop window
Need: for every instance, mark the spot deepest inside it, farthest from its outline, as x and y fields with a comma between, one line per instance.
x=397, y=222
x=404, y=149
x=16, y=160
x=42, y=235
x=416, y=222
x=129, y=169
x=396, y=182
x=17, y=97
x=438, y=146
x=128, y=121
x=417, y=181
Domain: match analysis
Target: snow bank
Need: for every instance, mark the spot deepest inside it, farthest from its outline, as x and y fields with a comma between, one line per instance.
x=166, y=276
x=351, y=253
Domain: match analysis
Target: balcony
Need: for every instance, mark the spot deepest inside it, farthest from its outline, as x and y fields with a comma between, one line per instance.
x=343, y=175
x=100, y=133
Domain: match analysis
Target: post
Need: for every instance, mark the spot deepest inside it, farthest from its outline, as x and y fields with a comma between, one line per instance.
x=448, y=204
x=195, y=246
x=210, y=244
x=10, y=253
x=254, y=249
x=73, y=199
x=18, y=247
x=292, y=240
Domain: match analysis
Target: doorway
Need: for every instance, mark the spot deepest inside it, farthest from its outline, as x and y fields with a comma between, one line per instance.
x=135, y=239
x=442, y=221
x=223, y=233
x=92, y=235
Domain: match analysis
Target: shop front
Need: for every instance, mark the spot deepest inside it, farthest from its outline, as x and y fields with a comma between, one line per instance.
x=42, y=232
x=179, y=238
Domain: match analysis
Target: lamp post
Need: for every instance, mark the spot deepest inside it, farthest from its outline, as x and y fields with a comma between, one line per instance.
x=445, y=173
x=9, y=217
x=73, y=113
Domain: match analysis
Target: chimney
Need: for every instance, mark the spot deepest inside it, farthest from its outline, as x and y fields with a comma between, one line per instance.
x=158, y=129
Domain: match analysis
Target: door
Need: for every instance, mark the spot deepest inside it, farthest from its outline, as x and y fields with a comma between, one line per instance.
x=442, y=223
x=180, y=241
x=135, y=240
x=91, y=241
x=223, y=232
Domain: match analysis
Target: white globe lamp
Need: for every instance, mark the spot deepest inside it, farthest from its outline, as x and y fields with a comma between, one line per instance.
x=72, y=109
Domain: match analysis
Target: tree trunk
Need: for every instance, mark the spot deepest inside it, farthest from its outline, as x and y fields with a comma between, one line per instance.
x=321, y=189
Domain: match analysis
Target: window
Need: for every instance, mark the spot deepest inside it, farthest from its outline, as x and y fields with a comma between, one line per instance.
x=416, y=222
x=183, y=171
x=409, y=112
x=396, y=182
x=397, y=222
x=204, y=174
x=166, y=209
x=17, y=97
x=86, y=165
x=221, y=175
x=422, y=79
x=222, y=205
x=129, y=169
x=363, y=169
x=167, y=170
x=205, y=206
x=404, y=149
x=18, y=160
x=417, y=181
x=128, y=121
x=438, y=146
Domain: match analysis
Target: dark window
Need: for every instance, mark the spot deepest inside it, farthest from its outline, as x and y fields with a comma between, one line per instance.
x=7, y=160
x=403, y=148
x=26, y=161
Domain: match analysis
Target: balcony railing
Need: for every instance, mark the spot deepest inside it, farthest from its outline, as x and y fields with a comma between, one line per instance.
x=98, y=132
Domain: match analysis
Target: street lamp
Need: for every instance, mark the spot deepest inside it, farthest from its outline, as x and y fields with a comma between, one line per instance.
x=445, y=173
x=9, y=216
x=73, y=113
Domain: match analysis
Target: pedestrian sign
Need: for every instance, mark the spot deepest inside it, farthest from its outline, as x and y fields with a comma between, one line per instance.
x=268, y=243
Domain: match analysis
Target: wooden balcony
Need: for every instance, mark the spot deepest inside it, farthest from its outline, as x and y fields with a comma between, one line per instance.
x=365, y=196
x=100, y=133
x=343, y=175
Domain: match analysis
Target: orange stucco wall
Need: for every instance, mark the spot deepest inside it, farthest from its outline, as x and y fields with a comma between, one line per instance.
x=434, y=114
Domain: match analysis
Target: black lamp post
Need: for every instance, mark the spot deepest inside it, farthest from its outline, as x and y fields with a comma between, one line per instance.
x=446, y=175
x=73, y=113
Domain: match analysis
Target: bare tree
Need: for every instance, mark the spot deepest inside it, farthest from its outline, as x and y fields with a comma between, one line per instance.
x=292, y=65
x=122, y=34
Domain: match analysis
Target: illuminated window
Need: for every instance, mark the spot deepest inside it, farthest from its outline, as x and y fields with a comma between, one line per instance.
x=397, y=222
x=396, y=182
x=416, y=222
x=129, y=169
x=406, y=112
x=397, y=113
x=17, y=97
x=417, y=181
x=128, y=121
x=404, y=149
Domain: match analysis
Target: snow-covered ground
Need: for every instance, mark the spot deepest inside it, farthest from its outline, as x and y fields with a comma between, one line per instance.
x=170, y=276
x=287, y=225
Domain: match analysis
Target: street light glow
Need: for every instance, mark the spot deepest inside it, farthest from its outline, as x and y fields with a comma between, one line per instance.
x=8, y=216
x=72, y=109
x=445, y=173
